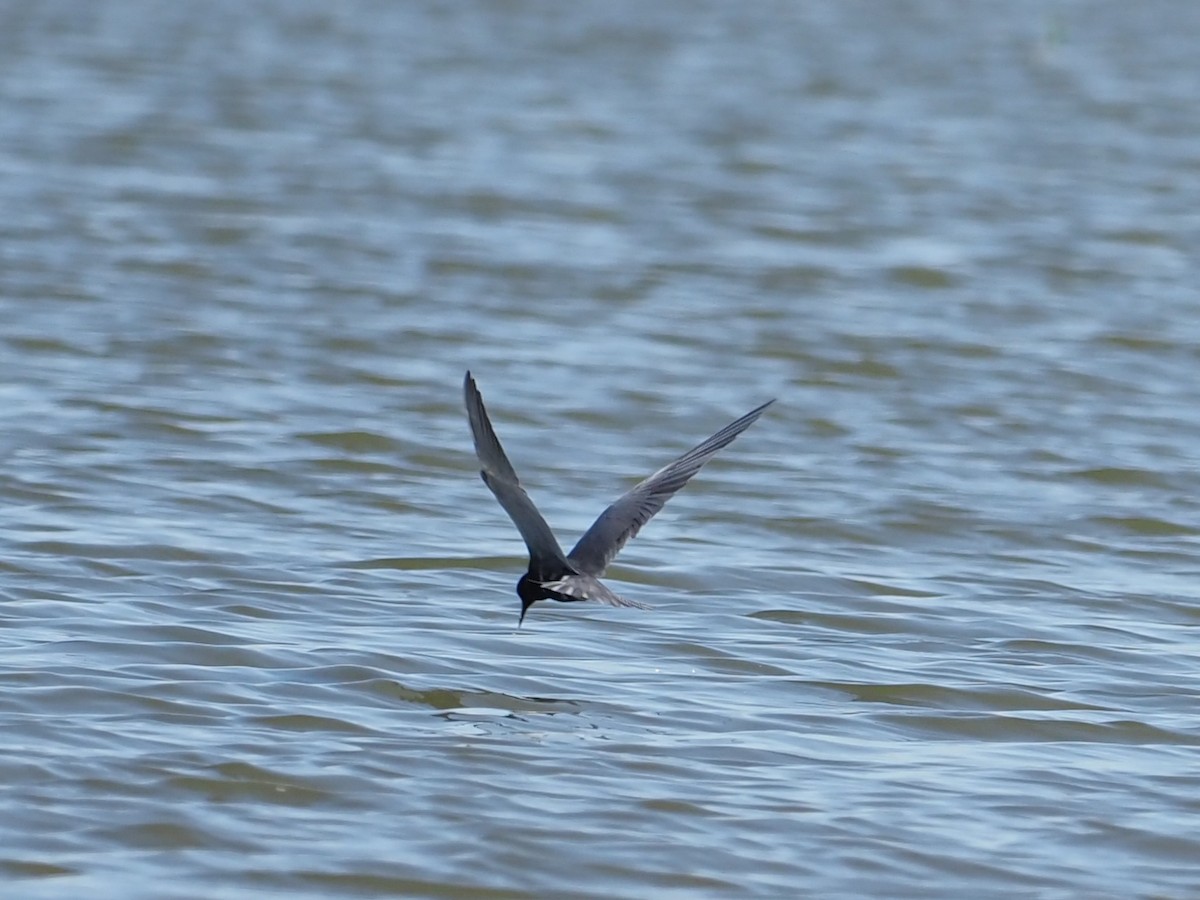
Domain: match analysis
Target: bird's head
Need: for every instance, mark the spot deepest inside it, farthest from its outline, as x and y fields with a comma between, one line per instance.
x=530, y=592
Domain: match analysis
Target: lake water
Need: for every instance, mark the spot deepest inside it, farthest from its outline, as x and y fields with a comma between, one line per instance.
x=931, y=628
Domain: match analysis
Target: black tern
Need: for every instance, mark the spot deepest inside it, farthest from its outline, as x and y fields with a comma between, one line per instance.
x=568, y=577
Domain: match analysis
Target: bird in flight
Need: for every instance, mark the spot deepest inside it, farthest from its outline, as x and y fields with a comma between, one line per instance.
x=567, y=577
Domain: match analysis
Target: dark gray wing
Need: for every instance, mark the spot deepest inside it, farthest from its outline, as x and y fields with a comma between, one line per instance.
x=624, y=519
x=498, y=474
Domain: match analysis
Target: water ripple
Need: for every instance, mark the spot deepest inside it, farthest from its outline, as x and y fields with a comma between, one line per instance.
x=926, y=631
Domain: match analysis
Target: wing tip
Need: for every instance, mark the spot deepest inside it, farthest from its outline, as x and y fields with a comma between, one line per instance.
x=759, y=410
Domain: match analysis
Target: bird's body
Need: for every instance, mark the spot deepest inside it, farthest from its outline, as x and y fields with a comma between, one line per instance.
x=574, y=576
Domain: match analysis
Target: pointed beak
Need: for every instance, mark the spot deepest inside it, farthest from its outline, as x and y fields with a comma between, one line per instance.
x=524, y=609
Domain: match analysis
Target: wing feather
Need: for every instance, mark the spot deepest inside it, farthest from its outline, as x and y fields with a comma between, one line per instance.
x=625, y=517
x=585, y=587
x=500, y=477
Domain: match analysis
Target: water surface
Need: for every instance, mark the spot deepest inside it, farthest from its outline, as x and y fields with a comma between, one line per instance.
x=925, y=630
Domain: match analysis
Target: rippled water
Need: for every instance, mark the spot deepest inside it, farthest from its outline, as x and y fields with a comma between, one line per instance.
x=927, y=629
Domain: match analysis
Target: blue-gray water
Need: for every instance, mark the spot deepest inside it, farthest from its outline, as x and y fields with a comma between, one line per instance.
x=929, y=628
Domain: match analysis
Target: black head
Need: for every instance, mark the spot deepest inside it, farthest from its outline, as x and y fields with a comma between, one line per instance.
x=530, y=592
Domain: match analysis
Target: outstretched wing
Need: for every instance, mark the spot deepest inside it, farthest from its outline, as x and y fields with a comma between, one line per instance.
x=627, y=515
x=498, y=474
